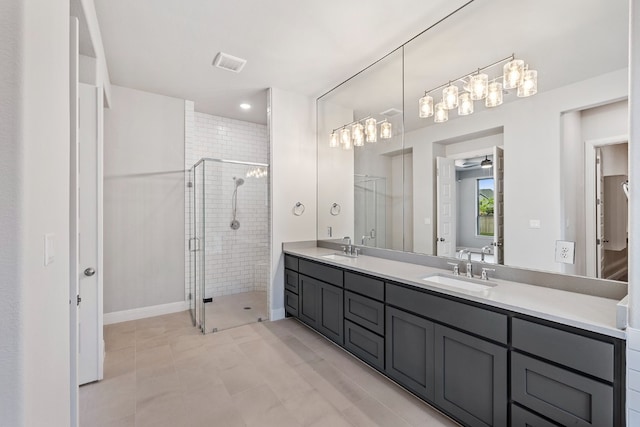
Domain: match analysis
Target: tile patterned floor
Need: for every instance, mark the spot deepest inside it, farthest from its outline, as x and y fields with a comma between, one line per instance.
x=229, y=311
x=162, y=372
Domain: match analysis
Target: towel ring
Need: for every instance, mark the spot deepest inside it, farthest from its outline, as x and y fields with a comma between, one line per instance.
x=335, y=209
x=298, y=209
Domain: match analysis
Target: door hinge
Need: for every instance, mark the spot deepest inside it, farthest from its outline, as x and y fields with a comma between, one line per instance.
x=78, y=300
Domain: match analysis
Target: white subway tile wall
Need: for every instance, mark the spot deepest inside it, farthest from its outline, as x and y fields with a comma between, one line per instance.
x=234, y=260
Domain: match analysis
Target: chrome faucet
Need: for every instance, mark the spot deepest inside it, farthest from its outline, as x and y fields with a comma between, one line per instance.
x=461, y=253
x=350, y=250
x=484, y=275
x=485, y=250
x=456, y=268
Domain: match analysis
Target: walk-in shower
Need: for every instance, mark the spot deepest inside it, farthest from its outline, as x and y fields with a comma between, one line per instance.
x=228, y=243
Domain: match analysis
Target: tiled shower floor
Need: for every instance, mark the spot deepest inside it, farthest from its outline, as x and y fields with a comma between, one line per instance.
x=230, y=311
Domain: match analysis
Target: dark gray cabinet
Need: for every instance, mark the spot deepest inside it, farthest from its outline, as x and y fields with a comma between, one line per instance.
x=522, y=418
x=291, y=303
x=291, y=281
x=364, y=344
x=320, y=306
x=559, y=394
x=364, y=311
x=409, y=351
x=470, y=378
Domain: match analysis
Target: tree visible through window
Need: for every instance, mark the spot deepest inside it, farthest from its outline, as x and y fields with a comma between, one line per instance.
x=484, y=224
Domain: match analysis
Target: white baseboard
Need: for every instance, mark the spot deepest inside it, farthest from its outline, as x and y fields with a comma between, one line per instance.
x=144, y=312
x=277, y=314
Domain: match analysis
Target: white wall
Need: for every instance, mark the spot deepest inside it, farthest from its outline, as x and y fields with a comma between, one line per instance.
x=34, y=189
x=293, y=179
x=143, y=200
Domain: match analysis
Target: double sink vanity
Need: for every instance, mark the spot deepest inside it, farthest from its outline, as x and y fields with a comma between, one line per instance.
x=489, y=352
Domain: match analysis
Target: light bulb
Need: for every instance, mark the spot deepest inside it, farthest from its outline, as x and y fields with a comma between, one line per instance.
x=529, y=84
x=465, y=104
x=450, y=97
x=333, y=140
x=441, y=114
x=371, y=130
x=513, y=73
x=425, y=105
x=358, y=135
x=345, y=138
x=478, y=86
x=385, y=130
x=494, y=97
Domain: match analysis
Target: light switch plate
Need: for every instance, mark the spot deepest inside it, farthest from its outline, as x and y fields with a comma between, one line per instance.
x=565, y=251
x=49, y=249
x=534, y=223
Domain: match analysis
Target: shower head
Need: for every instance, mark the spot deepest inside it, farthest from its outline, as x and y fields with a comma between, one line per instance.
x=238, y=181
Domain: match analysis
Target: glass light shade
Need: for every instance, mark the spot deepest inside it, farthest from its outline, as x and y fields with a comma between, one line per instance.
x=385, y=130
x=478, y=86
x=513, y=73
x=425, y=105
x=333, y=140
x=371, y=130
x=441, y=114
x=529, y=84
x=494, y=97
x=450, y=97
x=358, y=135
x=345, y=138
x=465, y=104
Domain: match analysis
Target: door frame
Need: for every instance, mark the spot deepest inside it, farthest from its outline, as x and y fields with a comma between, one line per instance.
x=590, y=197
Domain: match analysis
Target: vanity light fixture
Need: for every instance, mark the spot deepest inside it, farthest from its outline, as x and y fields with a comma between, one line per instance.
x=477, y=86
x=355, y=134
x=486, y=163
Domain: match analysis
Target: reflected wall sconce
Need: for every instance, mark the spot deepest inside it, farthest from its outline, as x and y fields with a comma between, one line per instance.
x=355, y=134
x=477, y=86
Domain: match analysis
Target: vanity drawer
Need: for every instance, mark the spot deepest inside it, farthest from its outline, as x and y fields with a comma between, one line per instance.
x=364, y=311
x=364, y=285
x=584, y=354
x=291, y=303
x=364, y=344
x=560, y=395
x=322, y=272
x=290, y=262
x=472, y=319
x=523, y=418
x=291, y=281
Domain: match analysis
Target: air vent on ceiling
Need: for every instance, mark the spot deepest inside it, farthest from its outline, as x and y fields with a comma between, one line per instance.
x=391, y=112
x=229, y=62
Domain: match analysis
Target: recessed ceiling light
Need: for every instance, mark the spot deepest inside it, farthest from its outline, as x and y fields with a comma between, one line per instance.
x=245, y=106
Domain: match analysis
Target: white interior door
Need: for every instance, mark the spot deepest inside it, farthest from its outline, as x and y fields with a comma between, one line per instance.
x=446, y=200
x=90, y=309
x=498, y=204
x=74, y=237
x=600, y=231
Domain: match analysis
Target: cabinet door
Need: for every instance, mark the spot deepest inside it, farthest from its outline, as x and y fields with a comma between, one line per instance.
x=291, y=303
x=409, y=351
x=470, y=378
x=309, y=290
x=291, y=281
x=331, y=312
x=364, y=344
x=523, y=418
x=364, y=311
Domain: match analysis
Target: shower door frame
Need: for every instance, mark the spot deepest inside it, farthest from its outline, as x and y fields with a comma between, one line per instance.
x=197, y=287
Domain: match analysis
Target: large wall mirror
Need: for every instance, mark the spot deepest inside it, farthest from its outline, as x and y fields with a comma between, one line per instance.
x=528, y=176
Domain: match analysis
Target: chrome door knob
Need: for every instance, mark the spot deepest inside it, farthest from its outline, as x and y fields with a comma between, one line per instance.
x=89, y=272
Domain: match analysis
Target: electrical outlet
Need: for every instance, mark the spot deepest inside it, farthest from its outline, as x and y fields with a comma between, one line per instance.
x=565, y=251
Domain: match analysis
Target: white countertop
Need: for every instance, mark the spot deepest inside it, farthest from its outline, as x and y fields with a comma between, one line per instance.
x=586, y=312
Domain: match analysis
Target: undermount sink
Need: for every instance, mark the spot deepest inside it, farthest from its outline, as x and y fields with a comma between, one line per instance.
x=465, y=283
x=337, y=257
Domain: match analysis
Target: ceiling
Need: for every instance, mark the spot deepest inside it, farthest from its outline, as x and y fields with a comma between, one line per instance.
x=307, y=47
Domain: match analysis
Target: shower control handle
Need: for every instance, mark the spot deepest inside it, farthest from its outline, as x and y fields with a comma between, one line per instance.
x=89, y=272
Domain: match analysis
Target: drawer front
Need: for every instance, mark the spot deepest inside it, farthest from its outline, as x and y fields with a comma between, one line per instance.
x=291, y=281
x=575, y=351
x=321, y=272
x=364, y=311
x=523, y=418
x=291, y=262
x=469, y=318
x=364, y=285
x=560, y=395
x=364, y=344
x=291, y=303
